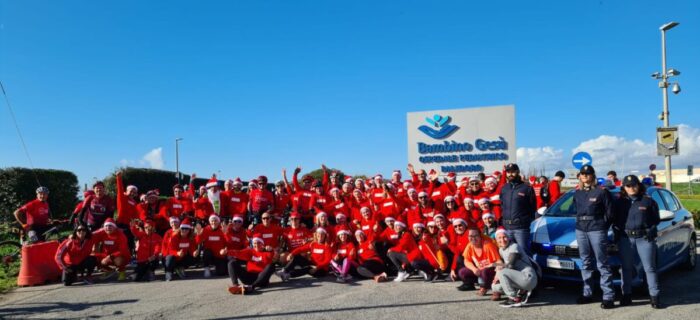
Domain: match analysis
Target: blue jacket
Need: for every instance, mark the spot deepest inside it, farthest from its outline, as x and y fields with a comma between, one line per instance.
x=518, y=205
x=594, y=209
x=636, y=212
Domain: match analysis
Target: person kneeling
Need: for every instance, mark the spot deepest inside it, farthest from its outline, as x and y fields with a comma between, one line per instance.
x=180, y=251
x=480, y=257
x=517, y=276
x=257, y=271
x=148, y=250
x=73, y=256
x=319, y=258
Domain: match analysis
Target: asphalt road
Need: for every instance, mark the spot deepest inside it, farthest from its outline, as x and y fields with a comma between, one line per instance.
x=307, y=298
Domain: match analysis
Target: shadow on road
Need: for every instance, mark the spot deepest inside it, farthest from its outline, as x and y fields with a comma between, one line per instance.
x=322, y=311
x=28, y=309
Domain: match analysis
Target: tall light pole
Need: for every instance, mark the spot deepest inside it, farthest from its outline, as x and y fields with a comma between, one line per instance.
x=665, y=74
x=177, y=158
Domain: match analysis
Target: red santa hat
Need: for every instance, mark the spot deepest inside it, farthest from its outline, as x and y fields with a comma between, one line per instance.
x=348, y=179
x=418, y=225
x=237, y=182
x=321, y=213
x=411, y=190
x=343, y=230
x=468, y=199
x=378, y=176
x=131, y=187
x=465, y=180
x=339, y=215
x=438, y=215
x=396, y=173
x=487, y=215
x=490, y=180
x=110, y=222
x=257, y=238
x=321, y=230
x=449, y=198
x=359, y=232
x=483, y=200
x=452, y=176
x=399, y=223
x=432, y=172
x=389, y=219
x=334, y=189
x=532, y=179
x=148, y=222
x=363, y=209
x=186, y=224
x=500, y=230
x=237, y=218
x=422, y=193
x=294, y=214
x=459, y=221
x=431, y=223
x=214, y=217
x=174, y=219
x=357, y=191
x=496, y=173
x=212, y=182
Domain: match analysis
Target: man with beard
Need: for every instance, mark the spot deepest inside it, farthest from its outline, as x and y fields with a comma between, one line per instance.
x=518, y=206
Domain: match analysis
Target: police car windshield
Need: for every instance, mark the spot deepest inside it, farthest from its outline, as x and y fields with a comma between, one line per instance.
x=564, y=206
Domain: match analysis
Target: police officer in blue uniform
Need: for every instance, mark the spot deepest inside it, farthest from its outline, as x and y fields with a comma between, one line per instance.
x=519, y=206
x=594, y=215
x=637, y=216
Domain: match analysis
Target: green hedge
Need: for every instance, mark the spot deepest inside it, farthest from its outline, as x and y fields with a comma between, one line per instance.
x=18, y=186
x=150, y=179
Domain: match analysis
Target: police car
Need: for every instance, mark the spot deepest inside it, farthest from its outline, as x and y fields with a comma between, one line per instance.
x=555, y=249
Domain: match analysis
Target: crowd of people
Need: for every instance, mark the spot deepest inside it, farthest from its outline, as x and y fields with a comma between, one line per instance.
x=475, y=231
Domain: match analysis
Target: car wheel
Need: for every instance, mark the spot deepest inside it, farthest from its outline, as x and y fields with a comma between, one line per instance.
x=692, y=254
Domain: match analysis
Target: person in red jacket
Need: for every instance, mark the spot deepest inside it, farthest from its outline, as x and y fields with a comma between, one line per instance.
x=236, y=235
x=313, y=258
x=419, y=179
x=112, y=250
x=270, y=233
x=236, y=201
x=295, y=235
x=345, y=256
x=282, y=202
x=257, y=271
x=555, y=187
x=370, y=265
x=154, y=209
x=180, y=251
x=456, y=238
x=303, y=196
x=202, y=207
x=127, y=202
x=423, y=212
x=147, y=250
x=211, y=239
x=404, y=252
x=261, y=199
x=178, y=204
x=96, y=209
x=36, y=215
x=73, y=256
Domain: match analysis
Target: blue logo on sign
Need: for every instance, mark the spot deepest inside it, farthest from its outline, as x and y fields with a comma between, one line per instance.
x=581, y=159
x=440, y=127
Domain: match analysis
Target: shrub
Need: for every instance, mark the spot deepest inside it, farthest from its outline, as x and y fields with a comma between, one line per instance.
x=18, y=186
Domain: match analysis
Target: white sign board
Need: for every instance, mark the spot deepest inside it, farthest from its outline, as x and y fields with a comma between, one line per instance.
x=463, y=141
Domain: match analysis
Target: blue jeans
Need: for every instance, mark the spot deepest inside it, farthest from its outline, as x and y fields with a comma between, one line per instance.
x=593, y=249
x=646, y=250
x=521, y=237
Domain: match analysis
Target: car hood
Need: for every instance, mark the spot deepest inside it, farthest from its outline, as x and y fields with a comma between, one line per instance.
x=555, y=230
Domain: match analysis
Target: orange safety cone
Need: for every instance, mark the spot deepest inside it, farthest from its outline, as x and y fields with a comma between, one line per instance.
x=38, y=265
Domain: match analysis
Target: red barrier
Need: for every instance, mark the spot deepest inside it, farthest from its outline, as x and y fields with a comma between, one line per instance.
x=38, y=265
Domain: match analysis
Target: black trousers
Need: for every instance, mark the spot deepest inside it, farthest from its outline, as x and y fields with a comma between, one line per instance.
x=143, y=268
x=370, y=268
x=255, y=279
x=70, y=273
x=129, y=236
x=400, y=260
x=171, y=262
x=300, y=266
x=210, y=259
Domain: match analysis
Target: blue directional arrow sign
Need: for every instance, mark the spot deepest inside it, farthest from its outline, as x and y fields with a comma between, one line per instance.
x=581, y=159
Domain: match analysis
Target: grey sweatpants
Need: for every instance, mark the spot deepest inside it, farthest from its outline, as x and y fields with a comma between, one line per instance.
x=513, y=280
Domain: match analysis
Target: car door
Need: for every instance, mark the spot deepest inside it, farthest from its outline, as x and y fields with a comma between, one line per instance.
x=665, y=229
x=678, y=234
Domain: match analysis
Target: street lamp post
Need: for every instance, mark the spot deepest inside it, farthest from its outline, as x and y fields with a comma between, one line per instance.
x=177, y=158
x=665, y=74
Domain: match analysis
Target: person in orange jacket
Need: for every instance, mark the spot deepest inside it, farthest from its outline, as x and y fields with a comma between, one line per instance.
x=148, y=250
x=73, y=256
x=480, y=259
x=180, y=251
x=112, y=250
x=313, y=258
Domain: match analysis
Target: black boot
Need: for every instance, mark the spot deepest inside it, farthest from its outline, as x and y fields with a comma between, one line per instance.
x=656, y=303
x=584, y=300
x=626, y=300
x=607, y=304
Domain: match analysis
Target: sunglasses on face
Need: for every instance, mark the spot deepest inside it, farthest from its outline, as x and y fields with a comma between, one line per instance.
x=236, y=221
x=459, y=226
x=423, y=197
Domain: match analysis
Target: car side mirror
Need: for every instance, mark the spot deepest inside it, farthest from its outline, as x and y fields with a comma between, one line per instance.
x=666, y=215
x=540, y=211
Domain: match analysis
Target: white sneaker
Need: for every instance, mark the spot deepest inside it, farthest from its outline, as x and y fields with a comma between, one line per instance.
x=168, y=276
x=424, y=275
x=207, y=272
x=403, y=275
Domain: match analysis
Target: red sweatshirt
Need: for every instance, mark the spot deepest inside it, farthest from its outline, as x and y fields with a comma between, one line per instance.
x=296, y=238
x=213, y=240
x=126, y=206
x=407, y=245
x=73, y=252
x=236, y=240
x=147, y=245
x=270, y=234
x=320, y=254
x=346, y=250
x=257, y=260
x=176, y=243
x=114, y=244
x=366, y=252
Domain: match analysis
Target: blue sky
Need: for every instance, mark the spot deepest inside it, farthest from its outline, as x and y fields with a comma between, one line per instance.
x=255, y=86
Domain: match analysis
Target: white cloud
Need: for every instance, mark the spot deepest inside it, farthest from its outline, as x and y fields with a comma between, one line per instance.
x=612, y=153
x=154, y=158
